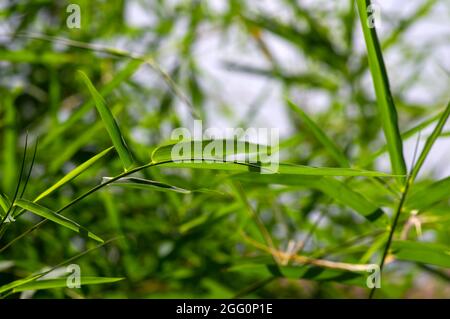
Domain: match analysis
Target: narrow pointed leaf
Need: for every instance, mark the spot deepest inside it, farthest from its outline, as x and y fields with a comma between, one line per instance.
x=56, y=218
x=430, y=141
x=62, y=283
x=285, y=168
x=425, y=197
x=17, y=283
x=140, y=183
x=422, y=252
x=73, y=173
x=320, y=135
x=282, y=169
x=385, y=101
x=5, y=203
x=110, y=123
x=192, y=154
x=208, y=149
x=124, y=74
x=335, y=189
x=405, y=136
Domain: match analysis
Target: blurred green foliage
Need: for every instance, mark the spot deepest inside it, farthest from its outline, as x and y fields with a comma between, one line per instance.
x=153, y=80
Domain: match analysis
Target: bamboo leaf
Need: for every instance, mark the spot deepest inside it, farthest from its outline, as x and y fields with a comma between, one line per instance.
x=62, y=283
x=56, y=218
x=405, y=136
x=430, y=194
x=121, y=76
x=430, y=141
x=5, y=203
x=283, y=168
x=421, y=252
x=110, y=123
x=79, y=142
x=385, y=101
x=140, y=183
x=330, y=186
x=193, y=156
x=73, y=173
x=31, y=278
x=320, y=135
x=17, y=283
x=209, y=149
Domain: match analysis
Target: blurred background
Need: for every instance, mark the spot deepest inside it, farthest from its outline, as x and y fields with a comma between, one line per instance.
x=235, y=62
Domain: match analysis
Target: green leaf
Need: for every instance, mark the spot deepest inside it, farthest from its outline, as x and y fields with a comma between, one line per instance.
x=283, y=168
x=421, y=252
x=221, y=149
x=140, y=183
x=73, y=173
x=329, y=145
x=425, y=197
x=54, y=217
x=62, y=283
x=335, y=189
x=405, y=135
x=218, y=165
x=400, y=29
x=385, y=101
x=405, y=24
x=17, y=283
x=110, y=123
x=430, y=141
x=204, y=222
x=124, y=74
x=31, y=278
x=191, y=154
x=81, y=140
x=327, y=171
x=5, y=203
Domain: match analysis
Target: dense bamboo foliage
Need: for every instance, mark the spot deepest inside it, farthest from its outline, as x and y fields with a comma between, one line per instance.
x=88, y=177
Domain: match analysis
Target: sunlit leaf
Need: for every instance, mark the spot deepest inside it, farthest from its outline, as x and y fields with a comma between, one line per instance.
x=110, y=123
x=63, y=283
x=54, y=217
x=140, y=183
x=422, y=252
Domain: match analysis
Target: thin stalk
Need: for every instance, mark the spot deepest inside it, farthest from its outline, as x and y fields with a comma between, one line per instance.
x=410, y=180
x=76, y=200
x=391, y=232
x=96, y=188
x=73, y=258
